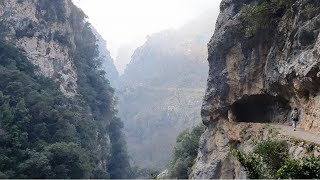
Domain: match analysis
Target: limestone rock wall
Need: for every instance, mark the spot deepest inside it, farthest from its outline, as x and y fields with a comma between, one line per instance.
x=284, y=64
x=45, y=30
x=267, y=72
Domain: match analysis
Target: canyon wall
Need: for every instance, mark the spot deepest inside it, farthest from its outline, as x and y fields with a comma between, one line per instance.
x=264, y=61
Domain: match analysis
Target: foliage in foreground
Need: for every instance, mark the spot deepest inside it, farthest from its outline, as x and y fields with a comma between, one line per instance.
x=270, y=159
x=185, y=152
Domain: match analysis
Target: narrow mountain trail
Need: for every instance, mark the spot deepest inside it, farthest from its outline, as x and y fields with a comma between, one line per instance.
x=198, y=90
x=299, y=133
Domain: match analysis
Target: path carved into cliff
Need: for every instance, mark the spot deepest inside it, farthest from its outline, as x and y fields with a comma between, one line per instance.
x=199, y=90
x=299, y=133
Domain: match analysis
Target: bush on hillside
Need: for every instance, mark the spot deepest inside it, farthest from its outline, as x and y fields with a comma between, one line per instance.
x=305, y=168
x=185, y=152
x=44, y=134
x=264, y=15
x=270, y=159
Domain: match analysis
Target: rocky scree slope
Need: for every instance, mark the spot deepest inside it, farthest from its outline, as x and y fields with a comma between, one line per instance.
x=264, y=60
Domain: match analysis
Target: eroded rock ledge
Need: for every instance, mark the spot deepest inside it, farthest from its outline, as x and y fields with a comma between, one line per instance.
x=282, y=62
x=214, y=160
x=258, y=78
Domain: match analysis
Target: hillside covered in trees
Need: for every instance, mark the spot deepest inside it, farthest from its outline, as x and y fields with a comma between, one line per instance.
x=57, y=111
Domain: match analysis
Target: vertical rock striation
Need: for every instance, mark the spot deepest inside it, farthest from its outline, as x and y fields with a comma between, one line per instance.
x=46, y=34
x=55, y=37
x=258, y=76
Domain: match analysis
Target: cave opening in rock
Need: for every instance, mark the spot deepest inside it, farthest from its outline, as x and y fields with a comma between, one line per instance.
x=261, y=109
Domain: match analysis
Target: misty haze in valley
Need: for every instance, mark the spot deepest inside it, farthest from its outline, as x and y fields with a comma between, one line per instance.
x=159, y=89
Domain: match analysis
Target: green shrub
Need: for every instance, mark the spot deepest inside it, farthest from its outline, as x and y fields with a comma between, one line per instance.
x=255, y=18
x=305, y=168
x=265, y=159
x=263, y=16
x=270, y=159
x=185, y=152
x=273, y=154
x=250, y=162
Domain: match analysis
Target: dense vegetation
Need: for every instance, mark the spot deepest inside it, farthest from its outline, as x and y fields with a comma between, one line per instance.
x=40, y=128
x=44, y=134
x=270, y=159
x=98, y=94
x=185, y=153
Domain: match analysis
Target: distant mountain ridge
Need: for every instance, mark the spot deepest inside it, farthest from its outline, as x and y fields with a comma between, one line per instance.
x=161, y=90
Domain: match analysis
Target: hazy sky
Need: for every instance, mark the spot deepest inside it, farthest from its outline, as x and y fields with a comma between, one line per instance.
x=123, y=22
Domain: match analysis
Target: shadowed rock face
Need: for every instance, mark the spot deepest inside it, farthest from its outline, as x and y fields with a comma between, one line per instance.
x=258, y=78
x=282, y=61
x=260, y=109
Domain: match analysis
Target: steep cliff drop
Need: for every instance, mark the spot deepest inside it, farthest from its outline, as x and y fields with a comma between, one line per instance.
x=264, y=59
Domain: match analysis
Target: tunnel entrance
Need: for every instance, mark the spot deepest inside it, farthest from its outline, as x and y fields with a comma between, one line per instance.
x=261, y=109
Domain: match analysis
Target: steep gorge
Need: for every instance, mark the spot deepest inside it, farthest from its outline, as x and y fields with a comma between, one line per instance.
x=263, y=61
x=57, y=109
x=161, y=90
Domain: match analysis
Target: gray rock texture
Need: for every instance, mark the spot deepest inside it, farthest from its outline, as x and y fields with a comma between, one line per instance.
x=45, y=37
x=257, y=78
x=281, y=62
x=51, y=33
x=46, y=30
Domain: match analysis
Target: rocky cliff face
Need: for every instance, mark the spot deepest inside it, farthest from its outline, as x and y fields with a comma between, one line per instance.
x=56, y=38
x=259, y=69
x=46, y=33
